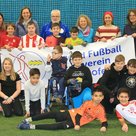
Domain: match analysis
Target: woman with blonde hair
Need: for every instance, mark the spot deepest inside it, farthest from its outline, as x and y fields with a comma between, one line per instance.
x=10, y=88
x=84, y=24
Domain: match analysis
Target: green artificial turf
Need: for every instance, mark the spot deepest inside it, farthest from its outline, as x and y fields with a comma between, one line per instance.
x=8, y=128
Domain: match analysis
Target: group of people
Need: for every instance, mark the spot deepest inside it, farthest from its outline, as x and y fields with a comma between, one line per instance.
x=56, y=33
x=117, y=85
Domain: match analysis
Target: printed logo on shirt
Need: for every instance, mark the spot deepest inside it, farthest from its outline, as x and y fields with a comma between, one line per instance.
x=131, y=82
x=78, y=74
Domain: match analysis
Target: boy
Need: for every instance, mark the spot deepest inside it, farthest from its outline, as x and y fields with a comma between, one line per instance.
x=73, y=118
x=34, y=94
x=126, y=110
x=78, y=78
x=55, y=39
x=31, y=39
x=129, y=79
x=110, y=80
x=74, y=40
x=58, y=64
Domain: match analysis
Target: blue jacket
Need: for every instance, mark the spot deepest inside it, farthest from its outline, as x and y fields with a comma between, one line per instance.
x=46, y=31
x=89, y=38
x=21, y=31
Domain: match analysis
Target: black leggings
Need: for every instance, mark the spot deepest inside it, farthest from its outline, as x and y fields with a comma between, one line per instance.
x=15, y=107
x=63, y=120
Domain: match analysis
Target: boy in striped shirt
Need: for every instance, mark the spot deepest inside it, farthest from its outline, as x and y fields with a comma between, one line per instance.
x=31, y=39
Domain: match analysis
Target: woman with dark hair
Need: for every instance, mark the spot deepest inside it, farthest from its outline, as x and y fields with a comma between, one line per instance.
x=108, y=31
x=130, y=27
x=2, y=27
x=21, y=25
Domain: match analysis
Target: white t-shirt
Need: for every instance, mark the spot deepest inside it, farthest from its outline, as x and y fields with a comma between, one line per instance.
x=128, y=112
x=34, y=93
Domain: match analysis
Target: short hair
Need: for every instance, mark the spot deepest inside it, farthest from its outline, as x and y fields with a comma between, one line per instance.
x=10, y=24
x=55, y=24
x=31, y=23
x=76, y=54
x=132, y=63
x=123, y=90
x=74, y=29
x=58, y=48
x=55, y=10
x=99, y=88
x=34, y=71
x=119, y=58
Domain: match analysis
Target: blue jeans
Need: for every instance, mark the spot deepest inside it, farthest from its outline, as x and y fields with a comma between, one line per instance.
x=84, y=96
x=57, y=86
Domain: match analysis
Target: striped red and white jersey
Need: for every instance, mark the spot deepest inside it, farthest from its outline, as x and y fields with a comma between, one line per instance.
x=31, y=42
x=107, y=32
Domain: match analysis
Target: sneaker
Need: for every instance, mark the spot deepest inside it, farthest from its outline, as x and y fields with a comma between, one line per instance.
x=24, y=126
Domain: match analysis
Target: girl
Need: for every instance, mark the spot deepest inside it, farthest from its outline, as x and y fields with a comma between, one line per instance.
x=86, y=33
x=21, y=25
x=2, y=27
x=10, y=87
x=10, y=41
x=107, y=31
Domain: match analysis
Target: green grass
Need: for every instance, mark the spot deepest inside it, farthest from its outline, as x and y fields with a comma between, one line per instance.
x=8, y=128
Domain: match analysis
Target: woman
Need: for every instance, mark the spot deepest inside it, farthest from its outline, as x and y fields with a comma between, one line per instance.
x=2, y=27
x=21, y=25
x=10, y=88
x=86, y=33
x=130, y=28
x=107, y=31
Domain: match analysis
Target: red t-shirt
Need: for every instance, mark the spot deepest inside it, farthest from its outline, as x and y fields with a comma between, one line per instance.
x=11, y=41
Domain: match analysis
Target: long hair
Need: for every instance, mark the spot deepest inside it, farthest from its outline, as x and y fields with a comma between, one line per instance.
x=131, y=10
x=21, y=19
x=3, y=26
x=12, y=72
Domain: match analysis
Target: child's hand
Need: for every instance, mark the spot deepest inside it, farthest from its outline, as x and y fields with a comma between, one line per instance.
x=8, y=47
x=48, y=58
x=107, y=67
x=62, y=44
x=20, y=48
x=77, y=127
x=40, y=46
x=111, y=100
x=27, y=114
x=42, y=111
x=125, y=128
x=84, y=44
x=103, y=129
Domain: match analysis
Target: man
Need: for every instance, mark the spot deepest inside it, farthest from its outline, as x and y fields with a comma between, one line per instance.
x=55, y=18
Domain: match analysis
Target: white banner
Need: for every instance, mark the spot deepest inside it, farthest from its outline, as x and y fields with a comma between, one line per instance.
x=95, y=55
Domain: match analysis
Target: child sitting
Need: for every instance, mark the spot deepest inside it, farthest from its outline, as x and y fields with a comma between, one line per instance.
x=34, y=94
x=55, y=39
x=58, y=65
x=128, y=79
x=10, y=41
x=74, y=118
x=74, y=40
x=78, y=78
x=126, y=110
x=31, y=39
